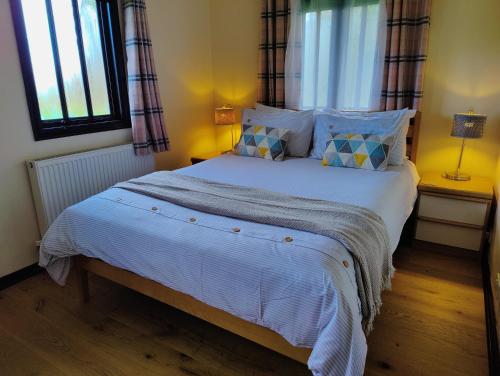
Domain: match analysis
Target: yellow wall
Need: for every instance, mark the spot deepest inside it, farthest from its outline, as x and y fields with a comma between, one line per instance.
x=463, y=70
x=180, y=30
x=235, y=41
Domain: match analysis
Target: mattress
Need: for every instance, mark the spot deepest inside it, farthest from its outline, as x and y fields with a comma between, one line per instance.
x=304, y=290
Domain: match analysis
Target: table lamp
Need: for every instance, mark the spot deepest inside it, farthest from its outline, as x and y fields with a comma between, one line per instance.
x=465, y=125
x=225, y=115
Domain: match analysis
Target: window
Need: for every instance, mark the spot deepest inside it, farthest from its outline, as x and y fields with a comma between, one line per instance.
x=72, y=65
x=341, y=53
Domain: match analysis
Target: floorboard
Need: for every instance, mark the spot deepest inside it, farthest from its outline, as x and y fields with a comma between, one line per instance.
x=431, y=323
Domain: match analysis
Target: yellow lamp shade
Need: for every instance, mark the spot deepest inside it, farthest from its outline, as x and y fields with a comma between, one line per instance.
x=224, y=115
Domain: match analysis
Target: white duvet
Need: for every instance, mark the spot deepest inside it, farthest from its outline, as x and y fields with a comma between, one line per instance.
x=305, y=290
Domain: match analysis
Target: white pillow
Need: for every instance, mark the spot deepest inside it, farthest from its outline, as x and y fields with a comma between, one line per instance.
x=271, y=110
x=300, y=124
x=398, y=153
x=380, y=123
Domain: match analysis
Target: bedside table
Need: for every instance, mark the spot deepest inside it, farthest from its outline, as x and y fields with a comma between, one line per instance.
x=453, y=213
x=203, y=157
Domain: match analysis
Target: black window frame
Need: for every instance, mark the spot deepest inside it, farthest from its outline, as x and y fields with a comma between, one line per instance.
x=111, y=41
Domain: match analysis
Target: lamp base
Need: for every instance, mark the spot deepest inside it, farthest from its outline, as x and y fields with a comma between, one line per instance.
x=455, y=175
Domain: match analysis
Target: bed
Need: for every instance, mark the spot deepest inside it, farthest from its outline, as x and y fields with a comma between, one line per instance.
x=262, y=282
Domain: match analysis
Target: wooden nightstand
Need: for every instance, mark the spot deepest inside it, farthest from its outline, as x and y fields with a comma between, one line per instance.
x=203, y=157
x=453, y=213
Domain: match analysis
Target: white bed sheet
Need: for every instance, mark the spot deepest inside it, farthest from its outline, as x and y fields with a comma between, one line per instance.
x=391, y=193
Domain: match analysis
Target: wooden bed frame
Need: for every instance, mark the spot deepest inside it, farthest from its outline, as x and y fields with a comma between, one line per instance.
x=188, y=304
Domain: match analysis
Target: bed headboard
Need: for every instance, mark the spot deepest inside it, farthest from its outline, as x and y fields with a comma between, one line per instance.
x=412, y=137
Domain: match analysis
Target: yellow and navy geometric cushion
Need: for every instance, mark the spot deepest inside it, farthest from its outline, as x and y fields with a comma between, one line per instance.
x=262, y=142
x=367, y=151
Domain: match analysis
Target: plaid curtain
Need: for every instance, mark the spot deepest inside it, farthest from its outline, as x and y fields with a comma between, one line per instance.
x=406, y=52
x=146, y=112
x=274, y=26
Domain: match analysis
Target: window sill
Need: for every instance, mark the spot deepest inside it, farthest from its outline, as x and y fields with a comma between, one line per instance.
x=48, y=133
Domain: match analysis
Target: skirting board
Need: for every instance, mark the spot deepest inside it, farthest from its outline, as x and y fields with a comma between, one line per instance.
x=20, y=275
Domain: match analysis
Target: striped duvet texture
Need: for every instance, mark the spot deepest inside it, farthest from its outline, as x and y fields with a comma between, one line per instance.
x=304, y=289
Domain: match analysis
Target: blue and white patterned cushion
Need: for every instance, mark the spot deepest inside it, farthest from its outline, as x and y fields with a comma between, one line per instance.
x=366, y=151
x=262, y=142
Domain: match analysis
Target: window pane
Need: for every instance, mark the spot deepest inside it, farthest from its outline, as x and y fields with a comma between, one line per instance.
x=94, y=57
x=70, y=60
x=42, y=60
x=370, y=55
x=357, y=78
x=309, y=67
x=324, y=62
x=353, y=57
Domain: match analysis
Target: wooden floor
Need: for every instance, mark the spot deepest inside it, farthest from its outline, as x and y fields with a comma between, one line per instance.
x=432, y=323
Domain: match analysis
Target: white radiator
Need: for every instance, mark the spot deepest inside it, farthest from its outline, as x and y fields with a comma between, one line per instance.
x=63, y=181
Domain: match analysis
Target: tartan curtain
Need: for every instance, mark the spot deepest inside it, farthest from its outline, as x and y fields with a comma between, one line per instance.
x=274, y=26
x=406, y=52
x=146, y=112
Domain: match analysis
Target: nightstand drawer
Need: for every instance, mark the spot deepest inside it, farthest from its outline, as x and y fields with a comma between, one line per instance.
x=455, y=236
x=450, y=209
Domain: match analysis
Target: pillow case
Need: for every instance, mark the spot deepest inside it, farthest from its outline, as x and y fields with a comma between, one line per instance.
x=380, y=123
x=262, y=142
x=300, y=124
x=398, y=153
x=366, y=151
x=270, y=110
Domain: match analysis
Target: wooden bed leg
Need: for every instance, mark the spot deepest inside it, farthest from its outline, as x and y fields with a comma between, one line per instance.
x=82, y=277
